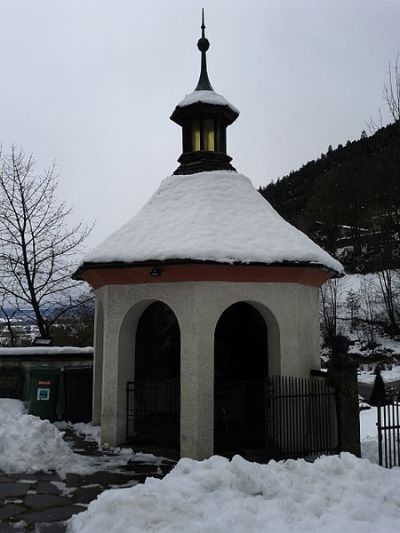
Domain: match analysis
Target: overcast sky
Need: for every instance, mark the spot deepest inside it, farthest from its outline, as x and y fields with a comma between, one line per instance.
x=92, y=83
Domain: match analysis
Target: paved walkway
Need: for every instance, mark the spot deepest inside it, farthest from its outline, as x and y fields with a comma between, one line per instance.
x=43, y=502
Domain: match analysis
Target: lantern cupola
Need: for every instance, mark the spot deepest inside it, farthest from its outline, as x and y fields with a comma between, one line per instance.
x=204, y=116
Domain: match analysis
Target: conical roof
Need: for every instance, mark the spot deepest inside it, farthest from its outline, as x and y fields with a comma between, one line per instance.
x=213, y=216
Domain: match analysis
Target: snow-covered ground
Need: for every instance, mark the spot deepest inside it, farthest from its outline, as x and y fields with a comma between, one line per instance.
x=361, y=314
x=29, y=444
x=388, y=376
x=332, y=494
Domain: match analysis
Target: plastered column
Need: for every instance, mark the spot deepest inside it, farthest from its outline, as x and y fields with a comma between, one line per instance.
x=98, y=360
x=113, y=419
x=197, y=380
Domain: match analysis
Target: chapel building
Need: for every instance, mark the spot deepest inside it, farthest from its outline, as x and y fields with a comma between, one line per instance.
x=200, y=297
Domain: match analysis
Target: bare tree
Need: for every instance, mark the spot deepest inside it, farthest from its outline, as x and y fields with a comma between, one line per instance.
x=6, y=317
x=391, y=96
x=374, y=125
x=390, y=296
x=391, y=89
x=330, y=302
x=368, y=323
x=37, y=248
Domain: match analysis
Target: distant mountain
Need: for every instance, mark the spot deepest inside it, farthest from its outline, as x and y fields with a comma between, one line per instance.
x=351, y=192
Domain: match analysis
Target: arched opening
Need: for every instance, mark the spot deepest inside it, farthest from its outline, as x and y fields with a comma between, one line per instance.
x=240, y=374
x=156, y=406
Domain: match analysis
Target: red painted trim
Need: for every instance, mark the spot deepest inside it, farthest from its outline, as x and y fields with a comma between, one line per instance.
x=312, y=276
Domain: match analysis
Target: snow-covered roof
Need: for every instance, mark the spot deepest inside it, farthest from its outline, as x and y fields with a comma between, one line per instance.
x=209, y=216
x=45, y=350
x=207, y=97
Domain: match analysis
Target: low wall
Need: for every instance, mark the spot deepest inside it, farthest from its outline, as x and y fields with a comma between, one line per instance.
x=22, y=359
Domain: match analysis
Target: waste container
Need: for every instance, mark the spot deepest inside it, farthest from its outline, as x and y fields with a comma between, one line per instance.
x=11, y=382
x=78, y=384
x=43, y=395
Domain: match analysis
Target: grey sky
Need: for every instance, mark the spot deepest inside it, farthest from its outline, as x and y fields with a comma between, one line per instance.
x=92, y=83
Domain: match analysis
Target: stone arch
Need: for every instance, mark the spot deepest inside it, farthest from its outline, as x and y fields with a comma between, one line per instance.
x=149, y=342
x=274, y=337
x=246, y=338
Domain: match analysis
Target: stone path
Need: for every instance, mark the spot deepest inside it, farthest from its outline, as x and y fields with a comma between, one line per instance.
x=43, y=502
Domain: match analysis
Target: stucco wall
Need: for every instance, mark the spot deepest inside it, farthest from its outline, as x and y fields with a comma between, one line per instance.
x=290, y=311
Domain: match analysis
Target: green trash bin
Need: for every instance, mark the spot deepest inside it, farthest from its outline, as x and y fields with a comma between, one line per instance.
x=43, y=395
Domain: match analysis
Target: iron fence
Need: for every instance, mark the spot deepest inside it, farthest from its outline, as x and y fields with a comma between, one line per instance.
x=389, y=432
x=301, y=417
x=291, y=417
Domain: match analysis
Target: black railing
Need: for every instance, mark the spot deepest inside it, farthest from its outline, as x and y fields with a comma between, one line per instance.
x=300, y=417
x=153, y=413
x=285, y=417
x=389, y=431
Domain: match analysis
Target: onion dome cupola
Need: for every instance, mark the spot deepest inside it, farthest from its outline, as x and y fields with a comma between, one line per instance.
x=204, y=116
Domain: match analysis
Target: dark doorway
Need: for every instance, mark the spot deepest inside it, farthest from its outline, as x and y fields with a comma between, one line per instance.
x=241, y=370
x=154, y=400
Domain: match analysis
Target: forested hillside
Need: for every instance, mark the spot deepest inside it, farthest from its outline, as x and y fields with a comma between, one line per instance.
x=349, y=198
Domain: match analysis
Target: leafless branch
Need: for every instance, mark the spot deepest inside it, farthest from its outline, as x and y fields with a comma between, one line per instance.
x=37, y=248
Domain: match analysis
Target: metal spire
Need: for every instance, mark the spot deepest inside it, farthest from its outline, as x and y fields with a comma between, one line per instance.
x=203, y=45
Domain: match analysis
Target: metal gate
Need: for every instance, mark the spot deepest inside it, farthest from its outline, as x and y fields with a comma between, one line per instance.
x=153, y=413
x=389, y=431
x=300, y=417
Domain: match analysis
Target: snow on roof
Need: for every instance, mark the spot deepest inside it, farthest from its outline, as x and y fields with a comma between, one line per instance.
x=45, y=350
x=209, y=216
x=207, y=97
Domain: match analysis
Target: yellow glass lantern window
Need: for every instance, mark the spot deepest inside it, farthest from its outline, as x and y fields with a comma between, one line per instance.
x=195, y=135
x=209, y=135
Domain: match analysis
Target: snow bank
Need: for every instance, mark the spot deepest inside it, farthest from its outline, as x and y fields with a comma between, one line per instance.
x=210, y=216
x=388, y=376
x=333, y=494
x=29, y=444
x=369, y=434
x=46, y=350
x=207, y=97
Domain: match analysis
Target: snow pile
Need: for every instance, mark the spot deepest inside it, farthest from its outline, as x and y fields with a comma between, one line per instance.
x=89, y=431
x=369, y=434
x=210, y=216
x=206, y=97
x=333, y=494
x=29, y=444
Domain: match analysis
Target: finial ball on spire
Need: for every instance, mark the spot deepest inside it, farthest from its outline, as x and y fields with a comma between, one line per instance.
x=203, y=44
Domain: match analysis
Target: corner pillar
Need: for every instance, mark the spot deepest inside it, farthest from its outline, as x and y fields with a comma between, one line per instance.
x=197, y=384
x=118, y=364
x=97, y=363
x=342, y=374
